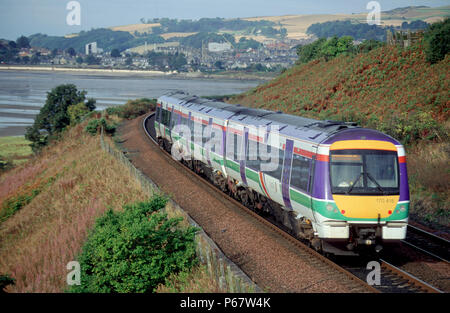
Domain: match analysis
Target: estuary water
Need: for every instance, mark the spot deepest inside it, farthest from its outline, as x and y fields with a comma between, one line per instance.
x=23, y=93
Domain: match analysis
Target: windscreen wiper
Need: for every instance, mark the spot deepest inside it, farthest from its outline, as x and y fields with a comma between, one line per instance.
x=376, y=183
x=353, y=185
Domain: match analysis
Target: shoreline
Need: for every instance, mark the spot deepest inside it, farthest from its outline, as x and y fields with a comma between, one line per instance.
x=146, y=73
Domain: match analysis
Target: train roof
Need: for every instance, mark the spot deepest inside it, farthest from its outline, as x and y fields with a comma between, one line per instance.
x=291, y=125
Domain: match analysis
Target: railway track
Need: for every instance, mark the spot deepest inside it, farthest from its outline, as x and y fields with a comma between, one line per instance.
x=428, y=243
x=393, y=278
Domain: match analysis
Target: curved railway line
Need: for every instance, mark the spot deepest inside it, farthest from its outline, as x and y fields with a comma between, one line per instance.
x=393, y=279
x=428, y=243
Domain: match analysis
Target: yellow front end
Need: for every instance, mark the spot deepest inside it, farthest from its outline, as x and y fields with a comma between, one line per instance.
x=365, y=188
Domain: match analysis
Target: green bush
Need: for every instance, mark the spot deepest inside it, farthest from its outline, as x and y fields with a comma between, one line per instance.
x=94, y=126
x=135, y=250
x=437, y=41
x=135, y=108
x=5, y=164
x=5, y=281
x=117, y=110
x=76, y=112
x=410, y=128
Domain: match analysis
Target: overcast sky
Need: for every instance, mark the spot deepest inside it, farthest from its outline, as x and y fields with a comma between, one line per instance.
x=28, y=17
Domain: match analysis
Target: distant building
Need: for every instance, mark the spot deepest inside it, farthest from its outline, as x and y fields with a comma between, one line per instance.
x=219, y=47
x=25, y=53
x=157, y=47
x=91, y=48
x=403, y=38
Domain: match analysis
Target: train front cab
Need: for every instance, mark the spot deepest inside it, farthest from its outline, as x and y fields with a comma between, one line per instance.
x=366, y=187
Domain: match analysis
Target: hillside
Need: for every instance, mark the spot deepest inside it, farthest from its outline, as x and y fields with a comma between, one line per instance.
x=260, y=29
x=55, y=199
x=391, y=89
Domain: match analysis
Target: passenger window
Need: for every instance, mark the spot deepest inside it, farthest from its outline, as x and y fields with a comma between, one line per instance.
x=252, y=160
x=300, y=172
x=269, y=162
x=158, y=112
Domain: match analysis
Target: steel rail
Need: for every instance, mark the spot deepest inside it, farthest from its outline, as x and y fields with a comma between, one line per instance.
x=413, y=281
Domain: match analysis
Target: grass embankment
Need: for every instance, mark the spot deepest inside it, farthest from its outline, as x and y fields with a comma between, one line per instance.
x=390, y=89
x=76, y=182
x=15, y=149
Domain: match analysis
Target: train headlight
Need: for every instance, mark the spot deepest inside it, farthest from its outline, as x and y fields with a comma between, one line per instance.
x=329, y=207
x=402, y=208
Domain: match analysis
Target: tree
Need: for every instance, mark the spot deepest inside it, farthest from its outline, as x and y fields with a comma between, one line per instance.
x=218, y=65
x=71, y=51
x=53, y=116
x=115, y=53
x=76, y=112
x=22, y=42
x=368, y=45
x=79, y=60
x=129, y=61
x=92, y=60
x=35, y=59
x=309, y=52
x=437, y=41
x=344, y=45
x=327, y=49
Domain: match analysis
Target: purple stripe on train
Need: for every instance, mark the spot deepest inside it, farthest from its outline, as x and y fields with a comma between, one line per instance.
x=321, y=185
x=404, y=187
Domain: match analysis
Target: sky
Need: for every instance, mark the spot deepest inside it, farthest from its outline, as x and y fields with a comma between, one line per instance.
x=26, y=17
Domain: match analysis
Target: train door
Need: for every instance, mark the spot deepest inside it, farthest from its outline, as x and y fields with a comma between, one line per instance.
x=271, y=171
x=286, y=173
x=164, y=120
x=224, y=148
x=157, y=121
x=172, y=123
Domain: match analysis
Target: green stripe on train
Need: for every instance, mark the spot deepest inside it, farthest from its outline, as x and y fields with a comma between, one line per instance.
x=305, y=200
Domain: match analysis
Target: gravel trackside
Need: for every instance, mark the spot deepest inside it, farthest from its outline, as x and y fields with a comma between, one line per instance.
x=270, y=261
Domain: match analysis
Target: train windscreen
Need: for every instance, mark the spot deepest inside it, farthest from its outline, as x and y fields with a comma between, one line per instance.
x=373, y=172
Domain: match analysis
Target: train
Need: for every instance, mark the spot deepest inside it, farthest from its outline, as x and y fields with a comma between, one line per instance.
x=340, y=187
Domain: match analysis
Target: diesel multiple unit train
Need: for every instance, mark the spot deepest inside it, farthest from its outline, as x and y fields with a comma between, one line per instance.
x=341, y=187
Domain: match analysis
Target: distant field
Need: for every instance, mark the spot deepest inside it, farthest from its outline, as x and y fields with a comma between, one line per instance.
x=297, y=25
x=140, y=28
x=171, y=35
x=15, y=148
